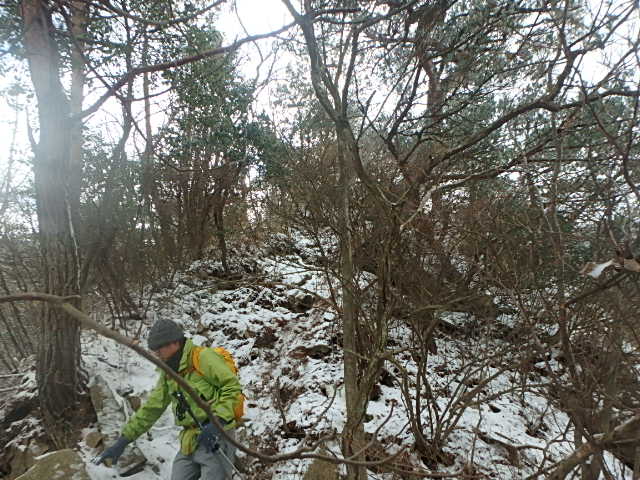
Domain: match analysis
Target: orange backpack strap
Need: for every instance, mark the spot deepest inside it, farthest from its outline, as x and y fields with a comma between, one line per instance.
x=195, y=359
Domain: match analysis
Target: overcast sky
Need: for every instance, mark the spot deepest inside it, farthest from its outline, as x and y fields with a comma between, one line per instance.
x=257, y=17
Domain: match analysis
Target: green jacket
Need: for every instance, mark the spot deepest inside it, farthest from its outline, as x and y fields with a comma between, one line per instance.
x=218, y=386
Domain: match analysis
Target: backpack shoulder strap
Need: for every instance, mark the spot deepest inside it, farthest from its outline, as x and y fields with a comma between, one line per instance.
x=195, y=358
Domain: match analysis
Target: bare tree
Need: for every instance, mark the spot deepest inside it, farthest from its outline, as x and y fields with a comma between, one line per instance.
x=49, y=30
x=460, y=96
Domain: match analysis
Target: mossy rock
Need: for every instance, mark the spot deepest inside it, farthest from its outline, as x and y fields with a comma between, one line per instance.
x=321, y=470
x=59, y=465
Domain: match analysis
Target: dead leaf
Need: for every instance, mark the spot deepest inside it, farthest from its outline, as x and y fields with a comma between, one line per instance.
x=632, y=264
x=595, y=269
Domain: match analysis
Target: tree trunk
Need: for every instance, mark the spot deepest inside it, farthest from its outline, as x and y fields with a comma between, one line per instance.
x=59, y=351
x=353, y=438
x=218, y=218
x=334, y=101
x=624, y=433
x=78, y=28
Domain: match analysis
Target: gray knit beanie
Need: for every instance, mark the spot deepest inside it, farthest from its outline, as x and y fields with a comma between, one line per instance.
x=163, y=332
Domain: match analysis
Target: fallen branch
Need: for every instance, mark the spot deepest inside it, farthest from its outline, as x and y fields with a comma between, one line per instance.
x=513, y=453
x=601, y=441
x=86, y=322
x=11, y=389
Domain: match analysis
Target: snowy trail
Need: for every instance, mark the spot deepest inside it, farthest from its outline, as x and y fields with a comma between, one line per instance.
x=291, y=369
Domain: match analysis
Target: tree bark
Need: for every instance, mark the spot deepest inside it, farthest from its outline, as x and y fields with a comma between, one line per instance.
x=353, y=434
x=218, y=217
x=621, y=434
x=58, y=354
x=335, y=102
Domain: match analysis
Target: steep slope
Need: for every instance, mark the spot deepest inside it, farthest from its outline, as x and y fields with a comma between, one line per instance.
x=287, y=342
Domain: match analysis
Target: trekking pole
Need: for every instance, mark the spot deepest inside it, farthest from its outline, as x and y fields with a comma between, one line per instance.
x=183, y=401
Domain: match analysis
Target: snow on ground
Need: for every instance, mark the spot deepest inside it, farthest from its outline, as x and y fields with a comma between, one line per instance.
x=291, y=369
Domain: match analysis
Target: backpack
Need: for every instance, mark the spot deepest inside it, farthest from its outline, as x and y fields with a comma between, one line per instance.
x=238, y=407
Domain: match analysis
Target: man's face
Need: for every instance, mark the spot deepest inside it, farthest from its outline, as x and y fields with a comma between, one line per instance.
x=166, y=352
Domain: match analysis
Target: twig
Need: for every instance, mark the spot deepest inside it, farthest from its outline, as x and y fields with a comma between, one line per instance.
x=87, y=322
x=11, y=389
x=173, y=64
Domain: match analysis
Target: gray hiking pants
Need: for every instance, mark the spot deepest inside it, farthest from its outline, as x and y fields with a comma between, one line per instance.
x=204, y=465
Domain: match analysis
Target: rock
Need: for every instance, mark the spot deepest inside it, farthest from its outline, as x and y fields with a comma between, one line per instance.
x=111, y=419
x=386, y=378
x=202, y=274
x=108, y=409
x=58, y=465
x=20, y=435
x=306, y=302
x=304, y=279
x=321, y=470
x=319, y=351
x=97, y=396
x=298, y=352
x=300, y=302
x=23, y=457
x=267, y=339
x=135, y=402
x=93, y=439
x=124, y=392
x=376, y=393
x=19, y=411
x=292, y=430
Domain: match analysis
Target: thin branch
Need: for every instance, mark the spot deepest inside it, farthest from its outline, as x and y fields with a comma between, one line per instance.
x=618, y=435
x=159, y=24
x=86, y=322
x=173, y=64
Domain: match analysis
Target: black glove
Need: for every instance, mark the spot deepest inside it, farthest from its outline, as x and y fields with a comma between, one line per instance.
x=113, y=452
x=208, y=438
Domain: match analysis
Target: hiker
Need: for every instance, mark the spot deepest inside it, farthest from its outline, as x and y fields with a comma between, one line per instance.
x=208, y=374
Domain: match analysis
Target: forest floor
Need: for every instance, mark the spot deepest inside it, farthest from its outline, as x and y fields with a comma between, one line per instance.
x=286, y=340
